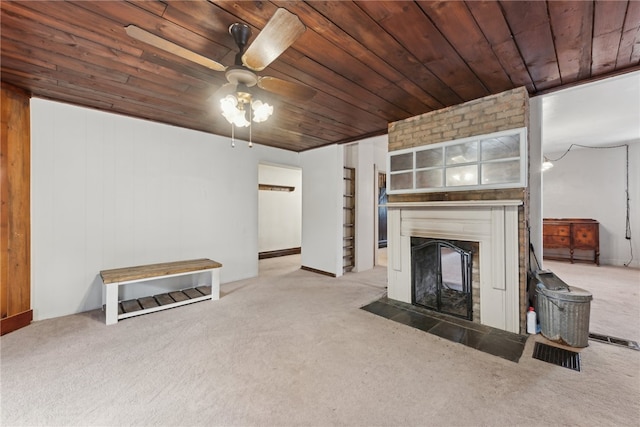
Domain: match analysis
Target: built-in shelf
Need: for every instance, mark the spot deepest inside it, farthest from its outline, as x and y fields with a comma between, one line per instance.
x=349, y=218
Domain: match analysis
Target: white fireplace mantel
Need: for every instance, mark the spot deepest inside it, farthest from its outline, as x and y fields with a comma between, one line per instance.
x=491, y=223
x=454, y=203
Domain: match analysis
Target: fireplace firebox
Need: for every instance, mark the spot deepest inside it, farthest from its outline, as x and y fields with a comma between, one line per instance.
x=442, y=276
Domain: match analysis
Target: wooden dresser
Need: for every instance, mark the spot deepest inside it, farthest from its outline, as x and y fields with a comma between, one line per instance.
x=561, y=237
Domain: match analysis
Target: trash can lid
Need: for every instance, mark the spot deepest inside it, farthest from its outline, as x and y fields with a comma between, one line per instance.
x=572, y=294
x=550, y=281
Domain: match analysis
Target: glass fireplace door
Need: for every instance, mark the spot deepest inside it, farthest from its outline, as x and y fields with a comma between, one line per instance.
x=441, y=276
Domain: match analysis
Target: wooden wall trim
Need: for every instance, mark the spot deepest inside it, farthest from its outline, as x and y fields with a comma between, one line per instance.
x=280, y=252
x=18, y=91
x=17, y=321
x=314, y=270
x=15, y=207
x=4, y=216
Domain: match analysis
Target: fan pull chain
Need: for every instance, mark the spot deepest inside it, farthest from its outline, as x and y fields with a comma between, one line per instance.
x=250, y=126
x=233, y=136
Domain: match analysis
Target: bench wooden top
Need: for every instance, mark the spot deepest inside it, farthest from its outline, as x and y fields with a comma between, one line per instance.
x=156, y=270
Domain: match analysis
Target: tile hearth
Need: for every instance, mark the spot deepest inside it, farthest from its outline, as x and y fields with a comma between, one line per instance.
x=499, y=343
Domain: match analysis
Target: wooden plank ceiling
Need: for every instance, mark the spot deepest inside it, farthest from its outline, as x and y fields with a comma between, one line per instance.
x=371, y=62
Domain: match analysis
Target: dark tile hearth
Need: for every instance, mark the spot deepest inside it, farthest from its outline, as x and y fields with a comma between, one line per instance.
x=483, y=338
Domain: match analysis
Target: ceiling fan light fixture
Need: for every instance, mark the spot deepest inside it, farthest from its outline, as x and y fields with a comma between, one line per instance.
x=233, y=111
x=236, y=99
x=239, y=75
x=235, y=106
x=261, y=111
x=243, y=94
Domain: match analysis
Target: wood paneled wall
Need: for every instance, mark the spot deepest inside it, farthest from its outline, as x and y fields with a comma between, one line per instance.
x=15, y=218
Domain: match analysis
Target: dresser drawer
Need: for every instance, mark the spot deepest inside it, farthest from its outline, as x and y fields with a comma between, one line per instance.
x=584, y=236
x=556, y=241
x=556, y=230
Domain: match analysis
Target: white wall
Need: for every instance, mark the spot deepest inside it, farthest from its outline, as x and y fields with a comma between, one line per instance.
x=371, y=159
x=368, y=156
x=366, y=195
x=381, y=148
x=322, y=171
x=535, y=177
x=110, y=191
x=590, y=183
x=280, y=212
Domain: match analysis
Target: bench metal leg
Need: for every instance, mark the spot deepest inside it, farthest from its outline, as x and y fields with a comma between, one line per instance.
x=111, y=303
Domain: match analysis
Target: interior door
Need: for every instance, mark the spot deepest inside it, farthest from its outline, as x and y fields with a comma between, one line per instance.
x=382, y=210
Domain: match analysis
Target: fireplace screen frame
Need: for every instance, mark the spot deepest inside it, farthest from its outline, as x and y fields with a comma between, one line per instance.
x=465, y=250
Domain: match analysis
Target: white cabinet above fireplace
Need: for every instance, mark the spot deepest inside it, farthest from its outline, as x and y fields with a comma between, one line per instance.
x=490, y=161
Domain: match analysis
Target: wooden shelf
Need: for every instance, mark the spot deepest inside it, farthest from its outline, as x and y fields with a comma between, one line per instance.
x=273, y=187
x=349, y=219
x=144, y=305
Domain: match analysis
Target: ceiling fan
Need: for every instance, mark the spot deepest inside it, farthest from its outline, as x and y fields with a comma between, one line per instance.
x=282, y=30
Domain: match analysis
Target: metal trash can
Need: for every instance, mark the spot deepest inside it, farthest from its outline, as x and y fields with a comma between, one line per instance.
x=563, y=310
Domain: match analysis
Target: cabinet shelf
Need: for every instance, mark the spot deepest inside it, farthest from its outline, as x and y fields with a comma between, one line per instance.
x=349, y=219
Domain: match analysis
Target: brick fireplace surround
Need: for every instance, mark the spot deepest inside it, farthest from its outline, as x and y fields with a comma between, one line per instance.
x=495, y=218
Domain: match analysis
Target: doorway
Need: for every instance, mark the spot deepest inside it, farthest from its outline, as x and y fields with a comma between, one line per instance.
x=279, y=211
x=382, y=220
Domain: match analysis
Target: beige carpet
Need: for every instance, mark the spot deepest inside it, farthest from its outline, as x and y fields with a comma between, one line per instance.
x=293, y=348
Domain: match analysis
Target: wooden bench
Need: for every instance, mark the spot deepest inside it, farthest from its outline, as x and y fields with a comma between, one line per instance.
x=113, y=279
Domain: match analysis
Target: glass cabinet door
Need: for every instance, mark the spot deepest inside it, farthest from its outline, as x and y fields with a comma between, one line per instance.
x=495, y=160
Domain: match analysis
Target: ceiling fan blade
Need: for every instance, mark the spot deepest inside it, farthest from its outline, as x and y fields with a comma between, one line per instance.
x=295, y=91
x=153, y=40
x=282, y=30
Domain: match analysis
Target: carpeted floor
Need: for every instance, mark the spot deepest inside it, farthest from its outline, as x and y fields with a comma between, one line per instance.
x=294, y=348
